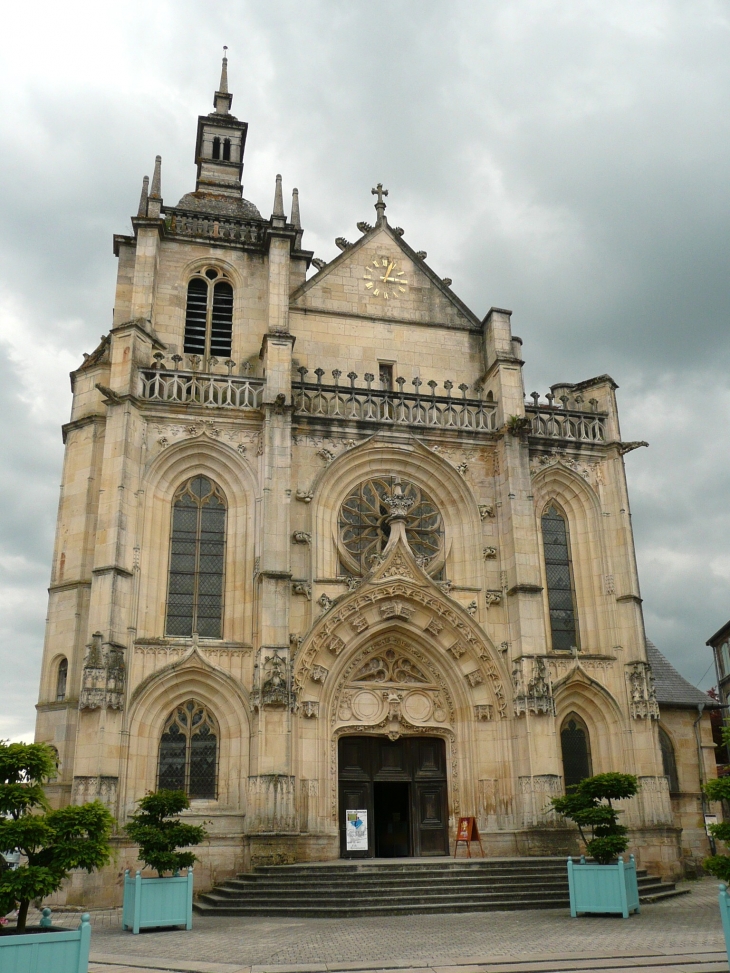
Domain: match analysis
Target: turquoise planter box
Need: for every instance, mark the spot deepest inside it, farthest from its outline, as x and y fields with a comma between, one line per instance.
x=603, y=888
x=725, y=916
x=150, y=902
x=41, y=952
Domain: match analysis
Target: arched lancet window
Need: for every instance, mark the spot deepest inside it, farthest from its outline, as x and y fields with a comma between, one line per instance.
x=197, y=554
x=216, y=148
x=189, y=751
x=559, y=574
x=61, y=679
x=226, y=150
x=669, y=761
x=576, y=746
x=209, y=315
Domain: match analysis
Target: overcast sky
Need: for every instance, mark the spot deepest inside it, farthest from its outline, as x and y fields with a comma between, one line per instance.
x=568, y=160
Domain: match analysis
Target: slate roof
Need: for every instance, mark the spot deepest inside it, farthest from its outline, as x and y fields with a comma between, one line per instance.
x=671, y=688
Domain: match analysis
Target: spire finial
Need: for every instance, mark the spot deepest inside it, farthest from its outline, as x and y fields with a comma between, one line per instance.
x=156, y=189
x=380, y=205
x=223, y=86
x=278, y=199
x=295, y=218
x=142, y=211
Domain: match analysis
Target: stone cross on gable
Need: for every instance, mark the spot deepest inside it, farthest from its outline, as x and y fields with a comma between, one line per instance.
x=380, y=205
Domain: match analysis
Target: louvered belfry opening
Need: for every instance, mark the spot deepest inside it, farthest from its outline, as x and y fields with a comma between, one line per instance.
x=197, y=555
x=559, y=575
x=576, y=747
x=189, y=751
x=221, y=325
x=209, y=316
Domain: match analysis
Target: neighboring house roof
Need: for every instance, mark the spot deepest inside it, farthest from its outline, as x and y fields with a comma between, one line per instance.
x=671, y=688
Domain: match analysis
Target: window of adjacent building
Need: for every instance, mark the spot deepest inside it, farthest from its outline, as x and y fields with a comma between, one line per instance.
x=559, y=575
x=576, y=747
x=364, y=528
x=669, y=761
x=61, y=679
x=209, y=315
x=724, y=657
x=197, y=553
x=189, y=751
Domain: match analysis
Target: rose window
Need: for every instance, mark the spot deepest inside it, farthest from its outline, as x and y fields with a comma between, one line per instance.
x=364, y=529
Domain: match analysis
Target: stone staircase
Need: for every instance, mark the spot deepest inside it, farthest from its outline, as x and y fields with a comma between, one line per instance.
x=405, y=886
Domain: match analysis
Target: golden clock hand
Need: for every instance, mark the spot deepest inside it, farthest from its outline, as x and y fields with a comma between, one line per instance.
x=387, y=272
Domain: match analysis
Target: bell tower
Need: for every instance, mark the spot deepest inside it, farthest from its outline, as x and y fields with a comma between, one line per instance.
x=220, y=145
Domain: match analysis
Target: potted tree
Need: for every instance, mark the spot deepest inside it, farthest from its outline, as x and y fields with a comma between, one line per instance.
x=51, y=844
x=719, y=865
x=159, y=832
x=606, y=884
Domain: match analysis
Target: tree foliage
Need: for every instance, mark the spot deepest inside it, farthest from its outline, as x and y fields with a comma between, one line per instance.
x=159, y=832
x=589, y=804
x=719, y=790
x=52, y=842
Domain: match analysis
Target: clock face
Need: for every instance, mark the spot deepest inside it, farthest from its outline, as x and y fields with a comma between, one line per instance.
x=384, y=278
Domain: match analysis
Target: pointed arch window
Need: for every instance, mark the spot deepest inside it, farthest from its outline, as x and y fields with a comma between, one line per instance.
x=209, y=315
x=575, y=744
x=559, y=575
x=669, y=761
x=226, y=150
x=188, y=758
x=197, y=557
x=216, y=148
x=61, y=680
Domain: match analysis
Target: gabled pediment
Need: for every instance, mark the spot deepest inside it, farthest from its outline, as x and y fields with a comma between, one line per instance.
x=380, y=276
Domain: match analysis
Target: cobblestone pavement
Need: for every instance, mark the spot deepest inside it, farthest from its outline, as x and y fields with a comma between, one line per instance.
x=687, y=924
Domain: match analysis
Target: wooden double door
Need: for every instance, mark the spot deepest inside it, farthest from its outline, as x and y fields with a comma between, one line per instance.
x=402, y=786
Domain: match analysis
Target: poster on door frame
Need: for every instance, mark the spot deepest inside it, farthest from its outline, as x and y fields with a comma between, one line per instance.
x=356, y=830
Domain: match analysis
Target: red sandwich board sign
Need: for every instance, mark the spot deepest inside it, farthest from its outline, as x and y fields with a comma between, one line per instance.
x=467, y=832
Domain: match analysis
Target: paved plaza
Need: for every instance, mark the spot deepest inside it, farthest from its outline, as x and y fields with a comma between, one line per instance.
x=681, y=934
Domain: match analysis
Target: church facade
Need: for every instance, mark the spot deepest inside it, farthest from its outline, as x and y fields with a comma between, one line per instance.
x=318, y=554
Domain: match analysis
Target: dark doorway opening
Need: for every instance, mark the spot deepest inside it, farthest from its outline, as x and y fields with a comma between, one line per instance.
x=392, y=820
x=401, y=787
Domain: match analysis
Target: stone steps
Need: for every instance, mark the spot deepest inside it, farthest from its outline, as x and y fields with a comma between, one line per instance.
x=403, y=887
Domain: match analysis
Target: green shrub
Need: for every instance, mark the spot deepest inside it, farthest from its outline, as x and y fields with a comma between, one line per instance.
x=584, y=804
x=158, y=831
x=719, y=790
x=53, y=843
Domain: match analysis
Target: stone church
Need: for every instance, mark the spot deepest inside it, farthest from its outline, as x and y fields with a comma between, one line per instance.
x=318, y=554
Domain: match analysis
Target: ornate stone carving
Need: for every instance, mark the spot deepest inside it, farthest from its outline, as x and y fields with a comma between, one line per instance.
x=325, y=602
x=326, y=454
x=532, y=685
x=472, y=608
x=486, y=510
x=334, y=644
x=492, y=598
x=609, y=585
x=304, y=495
x=475, y=678
x=463, y=468
x=359, y=623
x=309, y=709
x=457, y=649
x=301, y=537
x=319, y=673
x=489, y=553
x=390, y=667
x=302, y=588
x=642, y=694
x=103, y=676
x=434, y=627
x=484, y=712
x=396, y=609
x=271, y=678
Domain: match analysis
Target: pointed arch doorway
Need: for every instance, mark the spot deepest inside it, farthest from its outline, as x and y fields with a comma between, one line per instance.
x=402, y=786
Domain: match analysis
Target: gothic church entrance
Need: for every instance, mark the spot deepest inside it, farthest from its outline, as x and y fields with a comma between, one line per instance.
x=402, y=786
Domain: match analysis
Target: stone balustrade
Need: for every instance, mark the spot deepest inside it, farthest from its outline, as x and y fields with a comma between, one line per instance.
x=397, y=407
x=188, y=223
x=551, y=423
x=201, y=388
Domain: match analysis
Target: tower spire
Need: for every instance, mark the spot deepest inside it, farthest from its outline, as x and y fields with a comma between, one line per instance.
x=156, y=189
x=222, y=99
x=279, y=199
x=295, y=218
x=142, y=211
